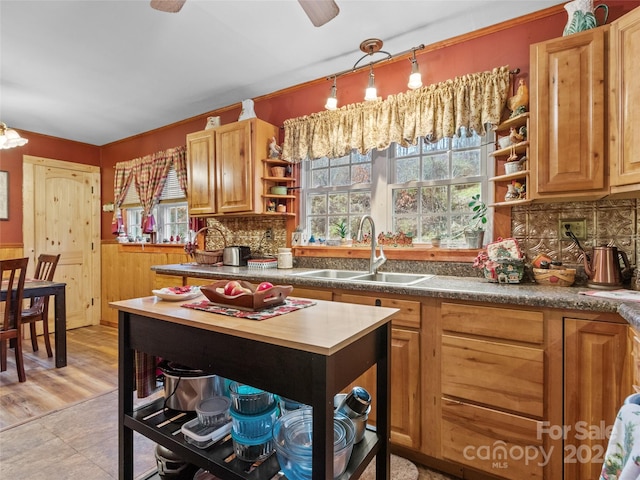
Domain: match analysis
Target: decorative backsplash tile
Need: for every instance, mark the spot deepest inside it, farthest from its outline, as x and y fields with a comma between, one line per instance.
x=249, y=231
x=613, y=222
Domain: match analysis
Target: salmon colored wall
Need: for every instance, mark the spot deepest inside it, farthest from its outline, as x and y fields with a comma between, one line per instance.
x=38, y=146
x=440, y=62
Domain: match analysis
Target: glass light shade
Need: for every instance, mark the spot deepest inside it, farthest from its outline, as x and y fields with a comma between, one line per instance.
x=415, y=79
x=332, y=101
x=370, y=93
x=10, y=138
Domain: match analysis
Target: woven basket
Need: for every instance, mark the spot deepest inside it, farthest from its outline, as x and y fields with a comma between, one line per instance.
x=207, y=257
x=555, y=277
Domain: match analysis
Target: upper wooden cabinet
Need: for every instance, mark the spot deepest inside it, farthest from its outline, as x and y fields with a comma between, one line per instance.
x=568, y=107
x=201, y=197
x=224, y=167
x=624, y=98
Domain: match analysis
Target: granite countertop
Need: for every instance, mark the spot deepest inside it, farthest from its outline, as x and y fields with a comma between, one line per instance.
x=439, y=286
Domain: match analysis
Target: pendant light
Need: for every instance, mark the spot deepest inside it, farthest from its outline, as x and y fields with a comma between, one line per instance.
x=9, y=138
x=371, y=93
x=332, y=101
x=415, y=79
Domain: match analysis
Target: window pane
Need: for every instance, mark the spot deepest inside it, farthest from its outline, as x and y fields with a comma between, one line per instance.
x=318, y=227
x=406, y=225
x=466, y=163
x=428, y=147
x=340, y=176
x=360, y=202
x=319, y=163
x=433, y=226
x=434, y=199
x=320, y=178
x=361, y=173
x=407, y=169
x=405, y=200
x=435, y=167
x=318, y=204
x=338, y=203
x=406, y=151
x=461, y=195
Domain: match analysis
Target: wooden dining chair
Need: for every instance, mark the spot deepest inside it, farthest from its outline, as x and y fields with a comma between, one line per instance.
x=38, y=310
x=13, y=272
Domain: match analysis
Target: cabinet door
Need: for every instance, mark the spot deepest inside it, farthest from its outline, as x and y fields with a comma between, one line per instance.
x=624, y=98
x=597, y=380
x=234, y=168
x=406, y=418
x=568, y=105
x=201, y=173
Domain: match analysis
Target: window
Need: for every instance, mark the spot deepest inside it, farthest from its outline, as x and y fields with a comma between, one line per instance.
x=337, y=190
x=171, y=214
x=422, y=190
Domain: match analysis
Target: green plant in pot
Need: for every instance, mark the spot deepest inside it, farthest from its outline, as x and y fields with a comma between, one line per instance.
x=474, y=233
x=342, y=230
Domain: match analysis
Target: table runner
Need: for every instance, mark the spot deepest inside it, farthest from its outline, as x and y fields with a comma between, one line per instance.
x=289, y=305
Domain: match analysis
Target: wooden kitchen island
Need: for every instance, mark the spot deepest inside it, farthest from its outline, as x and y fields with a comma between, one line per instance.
x=308, y=355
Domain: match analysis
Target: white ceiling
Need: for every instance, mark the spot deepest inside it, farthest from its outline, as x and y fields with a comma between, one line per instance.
x=97, y=71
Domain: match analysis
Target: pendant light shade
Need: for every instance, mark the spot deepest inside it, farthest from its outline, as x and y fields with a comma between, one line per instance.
x=371, y=93
x=9, y=138
x=332, y=101
x=415, y=79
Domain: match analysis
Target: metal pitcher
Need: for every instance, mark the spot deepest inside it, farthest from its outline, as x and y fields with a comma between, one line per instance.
x=605, y=268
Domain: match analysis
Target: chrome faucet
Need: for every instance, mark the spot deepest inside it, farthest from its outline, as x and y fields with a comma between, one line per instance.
x=375, y=262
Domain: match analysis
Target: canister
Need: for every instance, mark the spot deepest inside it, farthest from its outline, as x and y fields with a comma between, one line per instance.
x=285, y=258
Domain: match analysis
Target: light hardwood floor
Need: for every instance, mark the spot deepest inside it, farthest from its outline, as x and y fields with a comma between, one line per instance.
x=92, y=369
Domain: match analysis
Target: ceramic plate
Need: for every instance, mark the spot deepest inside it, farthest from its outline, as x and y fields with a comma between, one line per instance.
x=176, y=294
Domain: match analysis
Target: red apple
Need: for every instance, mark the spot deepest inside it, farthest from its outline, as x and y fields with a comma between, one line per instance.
x=264, y=286
x=230, y=286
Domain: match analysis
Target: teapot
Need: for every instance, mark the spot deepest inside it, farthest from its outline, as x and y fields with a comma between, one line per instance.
x=582, y=16
x=604, y=268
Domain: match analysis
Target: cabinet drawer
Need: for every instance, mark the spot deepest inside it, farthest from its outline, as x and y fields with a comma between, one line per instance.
x=503, y=323
x=500, y=375
x=303, y=292
x=408, y=316
x=491, y=441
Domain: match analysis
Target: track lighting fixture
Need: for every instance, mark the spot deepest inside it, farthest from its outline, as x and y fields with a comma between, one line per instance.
x=415, y=79
x=370, y=47
x=9, y=138
x=332, y=101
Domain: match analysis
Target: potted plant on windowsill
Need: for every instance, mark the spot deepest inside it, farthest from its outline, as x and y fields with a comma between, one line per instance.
x=342, y=230
x=474, y=233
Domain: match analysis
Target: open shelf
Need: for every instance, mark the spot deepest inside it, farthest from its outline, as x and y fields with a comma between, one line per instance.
x=161, y=426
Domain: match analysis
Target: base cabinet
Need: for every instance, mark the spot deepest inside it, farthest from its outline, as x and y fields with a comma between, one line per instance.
x=406, y=418
x=597, y=380
x=492, y=387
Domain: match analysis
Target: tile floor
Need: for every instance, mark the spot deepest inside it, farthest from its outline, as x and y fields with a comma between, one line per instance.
x=73, y=444
x=80, y=443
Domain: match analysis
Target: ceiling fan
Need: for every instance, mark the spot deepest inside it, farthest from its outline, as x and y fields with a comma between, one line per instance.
x=318, y=11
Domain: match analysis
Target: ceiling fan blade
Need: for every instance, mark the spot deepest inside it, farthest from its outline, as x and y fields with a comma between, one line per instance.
x=319, y=11
x=171, y=6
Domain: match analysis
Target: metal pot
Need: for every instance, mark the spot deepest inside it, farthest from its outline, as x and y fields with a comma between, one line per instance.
x=184, y=388
x=608, y=267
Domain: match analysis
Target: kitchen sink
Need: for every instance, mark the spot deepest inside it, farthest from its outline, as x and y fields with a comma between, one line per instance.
x=394, y=278
x=329, y=273
x=356, y=276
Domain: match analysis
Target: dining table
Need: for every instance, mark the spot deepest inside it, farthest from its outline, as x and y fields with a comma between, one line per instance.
x=43, y=288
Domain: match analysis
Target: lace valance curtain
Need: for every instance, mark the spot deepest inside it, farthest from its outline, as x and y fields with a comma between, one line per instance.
x=148, y=174
x=433, y=111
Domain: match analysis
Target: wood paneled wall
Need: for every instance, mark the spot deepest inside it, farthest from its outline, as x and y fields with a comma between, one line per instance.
x=128, y=274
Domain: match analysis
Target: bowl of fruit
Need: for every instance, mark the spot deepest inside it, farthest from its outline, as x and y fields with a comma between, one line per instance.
x=244, y=295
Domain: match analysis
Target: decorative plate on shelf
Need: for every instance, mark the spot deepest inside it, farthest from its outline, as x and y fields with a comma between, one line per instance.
x=176, y=294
